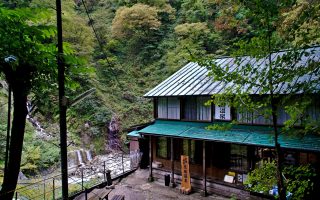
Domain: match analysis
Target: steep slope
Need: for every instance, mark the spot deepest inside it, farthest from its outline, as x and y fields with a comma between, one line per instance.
x=132, y=45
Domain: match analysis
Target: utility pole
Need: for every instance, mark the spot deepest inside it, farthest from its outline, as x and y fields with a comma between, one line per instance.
x=62, y=106
x=8, y=129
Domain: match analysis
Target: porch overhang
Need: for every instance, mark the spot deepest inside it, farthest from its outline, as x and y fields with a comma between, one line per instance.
x=237, y=134
x=134, y=134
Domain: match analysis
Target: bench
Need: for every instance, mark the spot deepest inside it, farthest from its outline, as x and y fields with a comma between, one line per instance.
x=99, y=194
x=118, y=197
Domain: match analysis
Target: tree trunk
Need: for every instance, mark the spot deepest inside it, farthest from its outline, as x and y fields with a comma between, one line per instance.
x=281, y=186
x=17, y=134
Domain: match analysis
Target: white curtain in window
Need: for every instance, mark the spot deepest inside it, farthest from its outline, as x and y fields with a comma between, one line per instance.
x=203, y=111
x=190, y=108
x=162, y=107
x=173, y=108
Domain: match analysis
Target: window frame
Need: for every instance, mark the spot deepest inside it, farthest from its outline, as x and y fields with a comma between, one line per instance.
x=167, y=108
x=168, y=148
x=218, y=119
x=192, y=147
x=196, y=102
x=239, y=158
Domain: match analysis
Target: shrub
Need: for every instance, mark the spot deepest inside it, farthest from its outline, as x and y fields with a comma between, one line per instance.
x=262, y=179
x=299, y=179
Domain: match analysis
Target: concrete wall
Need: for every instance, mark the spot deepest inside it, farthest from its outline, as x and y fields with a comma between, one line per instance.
x=134, y=144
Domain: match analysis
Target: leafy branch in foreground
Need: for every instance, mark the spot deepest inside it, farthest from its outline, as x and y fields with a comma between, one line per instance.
x=299, y=180
x=28, y=62
x=261, y=79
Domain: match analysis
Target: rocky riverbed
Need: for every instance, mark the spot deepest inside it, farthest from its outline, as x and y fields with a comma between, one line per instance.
x=117, y=163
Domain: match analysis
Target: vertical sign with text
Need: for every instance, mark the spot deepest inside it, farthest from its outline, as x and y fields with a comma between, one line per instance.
x=185, y=182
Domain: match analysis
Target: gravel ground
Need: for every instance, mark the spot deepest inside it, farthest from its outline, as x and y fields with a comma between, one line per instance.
x=136, y=187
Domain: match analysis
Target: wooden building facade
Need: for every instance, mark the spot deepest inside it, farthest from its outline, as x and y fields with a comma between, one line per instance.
x=219, y=159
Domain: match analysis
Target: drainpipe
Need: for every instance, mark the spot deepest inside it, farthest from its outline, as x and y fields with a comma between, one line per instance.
x=204, y=170
x=150, y=179
x=172, y=165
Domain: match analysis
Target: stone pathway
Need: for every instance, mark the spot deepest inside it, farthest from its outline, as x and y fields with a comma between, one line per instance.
x=136, y=187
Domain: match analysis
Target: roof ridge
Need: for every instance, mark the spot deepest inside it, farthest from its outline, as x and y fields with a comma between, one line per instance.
x=275, y=51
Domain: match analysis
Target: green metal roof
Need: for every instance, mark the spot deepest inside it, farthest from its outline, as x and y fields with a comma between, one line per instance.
x=240, y=134
x=134, y=134
x=193, y=79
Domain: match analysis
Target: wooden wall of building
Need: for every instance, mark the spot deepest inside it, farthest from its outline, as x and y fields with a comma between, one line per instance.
x=195, y=169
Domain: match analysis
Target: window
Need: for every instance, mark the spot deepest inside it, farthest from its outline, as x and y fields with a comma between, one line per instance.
x=222, y=113
x=238, y=157
x=244, y=116
x=190, y=108
x=173, y=108
x=163, y=148
x=195, y=109
x=168, y=108
x=290, y=158
x=262, y=154
x=220, y=155
x=193, y=149
x=162, y=108
x=204, y=112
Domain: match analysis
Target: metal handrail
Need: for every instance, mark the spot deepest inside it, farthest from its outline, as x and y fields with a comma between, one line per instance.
x=42, y=184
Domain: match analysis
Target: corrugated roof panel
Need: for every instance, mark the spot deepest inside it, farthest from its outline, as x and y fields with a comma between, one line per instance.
x=217, y=86
x=253, y=76
x=164, y=130
x=179, y=80
x=220, y=136
x=177, y=76
x=285, y=88
x=240, y=134
x=238, y=64
x=203, y=79
x=192, y=79
x=281, y=89
x=207, y=87
x=174, y=76
x=134, y=134
x=260, y=139
x=262, y=65
x=207, y=81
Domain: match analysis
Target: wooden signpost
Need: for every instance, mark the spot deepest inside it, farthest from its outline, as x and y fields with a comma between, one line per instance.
x=185, y=182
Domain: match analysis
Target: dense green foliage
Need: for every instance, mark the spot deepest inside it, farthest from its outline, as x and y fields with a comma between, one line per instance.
x=138, y=43
x=135, y=53
x=299, y=179
x=263, y=178
x=138, y=52
x=28, y=61
x=37, y=154
x=46, y=153
x=266, y=35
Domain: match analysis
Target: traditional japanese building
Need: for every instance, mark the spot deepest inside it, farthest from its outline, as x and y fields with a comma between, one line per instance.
x=219, y=159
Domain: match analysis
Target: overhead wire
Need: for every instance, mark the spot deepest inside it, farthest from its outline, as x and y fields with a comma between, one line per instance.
x=99, y=42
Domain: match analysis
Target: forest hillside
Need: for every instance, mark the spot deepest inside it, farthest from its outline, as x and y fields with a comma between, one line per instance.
x=130, y=47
